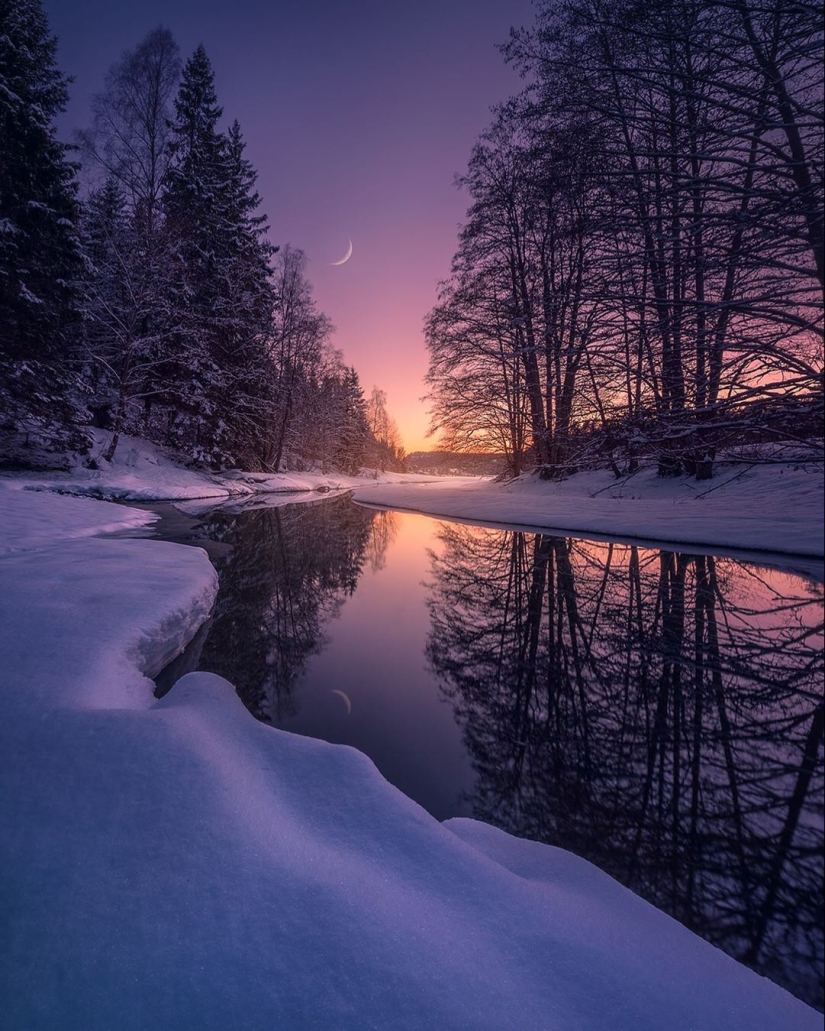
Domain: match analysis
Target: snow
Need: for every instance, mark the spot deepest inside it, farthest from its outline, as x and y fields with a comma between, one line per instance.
x=45, y=518
x=142, y=471
x=748, y=506
x=175, y=864
x=775, y=508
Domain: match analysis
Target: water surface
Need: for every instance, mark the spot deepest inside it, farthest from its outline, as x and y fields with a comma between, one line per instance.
x=657, y=712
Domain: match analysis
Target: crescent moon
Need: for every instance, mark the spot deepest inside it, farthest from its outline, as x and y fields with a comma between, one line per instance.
x=345, y=696
x=346, y=257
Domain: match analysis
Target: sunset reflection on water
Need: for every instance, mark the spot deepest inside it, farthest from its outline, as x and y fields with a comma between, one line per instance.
x=654, y=711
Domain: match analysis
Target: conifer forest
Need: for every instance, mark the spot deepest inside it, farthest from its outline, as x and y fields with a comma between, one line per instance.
x=139, y=289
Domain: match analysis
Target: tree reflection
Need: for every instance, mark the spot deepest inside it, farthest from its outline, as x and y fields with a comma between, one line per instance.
x=289, y=571
x=659, y=714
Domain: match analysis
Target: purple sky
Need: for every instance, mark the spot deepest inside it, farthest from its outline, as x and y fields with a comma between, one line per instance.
x=357, y=116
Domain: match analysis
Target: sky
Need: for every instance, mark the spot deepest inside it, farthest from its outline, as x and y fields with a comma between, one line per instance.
x=358, y=116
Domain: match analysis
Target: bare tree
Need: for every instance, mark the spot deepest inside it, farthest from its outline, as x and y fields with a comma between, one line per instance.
x=129, y=136
x=384, y=430
x=785, y=42
x=476, y=389
x=641, y=251
x=297, y=352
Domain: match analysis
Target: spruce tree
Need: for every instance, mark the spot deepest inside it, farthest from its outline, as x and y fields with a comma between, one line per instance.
x=339, y=438
x=39, y=252
x=119, y=308
x=192, y=183
x=220, y=293
x=353, y=431
x=245, y=308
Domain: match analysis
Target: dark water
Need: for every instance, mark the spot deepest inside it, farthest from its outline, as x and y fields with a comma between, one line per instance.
x=658, y=713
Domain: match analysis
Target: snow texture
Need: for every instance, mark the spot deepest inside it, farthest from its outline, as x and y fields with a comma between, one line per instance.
x=44, y=519
x=175, y=864
x=774, y=508
x=747, y=507
x=142, y=471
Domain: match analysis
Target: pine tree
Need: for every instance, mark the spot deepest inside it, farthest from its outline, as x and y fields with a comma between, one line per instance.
x=119, y=307
x=354, y=434
x=244, y=308
x=192, y=183
x=220, y=294
x=346, y=428
x=39, y=252
x=38, y=245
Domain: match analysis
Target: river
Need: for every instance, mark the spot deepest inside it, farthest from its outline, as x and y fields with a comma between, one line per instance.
x=658, y=713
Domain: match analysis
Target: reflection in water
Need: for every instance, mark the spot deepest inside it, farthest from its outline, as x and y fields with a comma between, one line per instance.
x=288, y=572
x=659, y=714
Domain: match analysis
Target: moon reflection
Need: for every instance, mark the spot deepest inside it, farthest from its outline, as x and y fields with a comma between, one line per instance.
x=345, y=696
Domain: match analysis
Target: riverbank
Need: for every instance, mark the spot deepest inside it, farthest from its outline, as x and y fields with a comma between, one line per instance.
x=760, y=508
x=765, y=508
x=144, y=472
x=174, y=863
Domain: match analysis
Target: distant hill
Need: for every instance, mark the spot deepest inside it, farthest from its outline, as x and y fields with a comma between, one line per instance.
x=448, y=463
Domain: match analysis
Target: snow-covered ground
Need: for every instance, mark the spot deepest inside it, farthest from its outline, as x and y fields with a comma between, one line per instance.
x=44, y=519
x=754, y=507
x=173, y=864
x=142, y=471
x=775, y=508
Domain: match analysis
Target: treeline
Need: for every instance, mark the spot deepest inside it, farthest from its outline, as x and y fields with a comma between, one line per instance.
x=456, y=463
x=640, y=276
x=156, y=305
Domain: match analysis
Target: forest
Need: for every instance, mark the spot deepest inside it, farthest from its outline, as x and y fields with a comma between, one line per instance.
x=139, y=289
x=639, y=278
x=640, y=275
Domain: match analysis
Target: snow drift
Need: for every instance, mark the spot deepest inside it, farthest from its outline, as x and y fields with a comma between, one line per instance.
x=174, y=864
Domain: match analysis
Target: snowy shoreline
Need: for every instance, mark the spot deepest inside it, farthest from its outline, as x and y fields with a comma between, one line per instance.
x=767, y=510
x=811, y=567
x=144, y=472
x=762, y=509
x=174, y=863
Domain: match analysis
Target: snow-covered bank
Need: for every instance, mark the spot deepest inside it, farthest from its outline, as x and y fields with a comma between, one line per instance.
x=749, y=507
x=174, y=864
x=773, y=508
x=44, y=519
x=141, y=471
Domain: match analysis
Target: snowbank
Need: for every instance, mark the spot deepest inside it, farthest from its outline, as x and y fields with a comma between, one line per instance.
x=44, y=519
x=174, y=864
x=767, y=508
x=141, y=471
x=776, y=508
